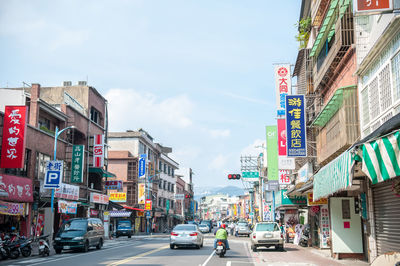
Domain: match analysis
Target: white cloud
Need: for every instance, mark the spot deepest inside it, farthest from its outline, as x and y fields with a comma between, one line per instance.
x=216, y=133
x=130, y=109
x=247, y=99
x=255, y=148
x=219, y=162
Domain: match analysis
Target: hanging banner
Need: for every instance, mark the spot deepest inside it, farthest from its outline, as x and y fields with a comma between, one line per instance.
x=98, y=151
x=78, y=153
x=141, y=194
x=286, y=163
x=67, y=191
x=272, y=153
x=16, y=188
x=325, y=225
x=281, y=137
x=67, y=207
x=148, y=205
x=296, y=126
x=99, y=198
x=9, y=208
x=283, y=83
x=118, y=196
x=13, y=144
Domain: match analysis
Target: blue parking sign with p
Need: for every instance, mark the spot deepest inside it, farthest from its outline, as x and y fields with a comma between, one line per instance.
x=53, y=174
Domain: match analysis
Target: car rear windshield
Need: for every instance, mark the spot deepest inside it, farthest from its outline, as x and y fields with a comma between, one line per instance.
x=74, y=225
x=124, y=224
x=185, y=227
x=242, y=224
x=202, y=225
x=267, y=227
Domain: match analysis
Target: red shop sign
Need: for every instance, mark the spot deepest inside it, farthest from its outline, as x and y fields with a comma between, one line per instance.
x=18, y=188
x=13, y=145
x=282, y=137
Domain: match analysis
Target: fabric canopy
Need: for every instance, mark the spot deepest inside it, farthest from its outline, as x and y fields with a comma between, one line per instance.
x=335, y=176
x=381, y=158
x=119, y=213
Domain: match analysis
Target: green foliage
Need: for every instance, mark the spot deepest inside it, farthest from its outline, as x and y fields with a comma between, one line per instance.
x=47, y=130
x=304, y=27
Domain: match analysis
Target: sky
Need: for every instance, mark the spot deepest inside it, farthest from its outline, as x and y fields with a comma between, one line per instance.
x=196, y=75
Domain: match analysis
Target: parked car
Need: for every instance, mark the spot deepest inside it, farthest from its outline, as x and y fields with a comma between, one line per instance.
x=124, y=228
x=243, y=229
x=186, y=235
x=204, y=228
x=267, y=234
x=81, y=234
x=208, y=223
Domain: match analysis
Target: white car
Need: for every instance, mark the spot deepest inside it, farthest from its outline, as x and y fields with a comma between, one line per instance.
x=204, y=228
x=267, y=234
x=186, y=235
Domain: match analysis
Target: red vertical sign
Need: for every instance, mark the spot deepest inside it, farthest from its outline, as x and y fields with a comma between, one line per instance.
x=13, y=145
x=98, y=151
x=281, y=137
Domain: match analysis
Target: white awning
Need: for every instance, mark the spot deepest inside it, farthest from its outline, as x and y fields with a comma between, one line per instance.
x=119, y=213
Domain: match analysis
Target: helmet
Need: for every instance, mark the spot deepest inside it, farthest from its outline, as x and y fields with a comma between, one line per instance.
x=223, y=226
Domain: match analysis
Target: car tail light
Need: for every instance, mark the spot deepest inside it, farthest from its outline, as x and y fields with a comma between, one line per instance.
x=281, y=235
x=174, y=234
x=254, y=236
x=193, y=234
x=41, y=242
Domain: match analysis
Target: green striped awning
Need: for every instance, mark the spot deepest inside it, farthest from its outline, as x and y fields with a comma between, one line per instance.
x=381, y=158
x=335, y=176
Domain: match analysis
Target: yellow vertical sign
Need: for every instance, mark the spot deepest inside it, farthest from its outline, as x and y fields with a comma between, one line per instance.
x=141, y=194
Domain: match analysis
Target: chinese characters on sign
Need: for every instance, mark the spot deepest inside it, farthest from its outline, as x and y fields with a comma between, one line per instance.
x=67, y=207
x=321, y=201
x=295, y=126
x=147, y=205
x=283, y=85
x=281, y=137
x=16, y=188
x=373, y=5
x=13, y=145
x=324, y=235
x=67, y=191
x=98, y=151
x=78, y=152
x=9, y=208
x=113, y=184
x=142, y=166
x=118, y=196
x=99, y=198
x=284, y=178
x=54, y=173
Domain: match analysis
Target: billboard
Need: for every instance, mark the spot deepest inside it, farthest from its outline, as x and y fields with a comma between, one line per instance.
x=296, y=126
x=283, y=84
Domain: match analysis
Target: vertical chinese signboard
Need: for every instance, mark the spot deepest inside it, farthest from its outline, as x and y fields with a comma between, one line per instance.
x=281, y=137
x=284, y=177
x=141, y=194
x=325, y=233
x=283, y=86
x=98, y=151
x=295, y=126
x=272, y=152
x=148, y=205
x=78, y=152
x=13, y=145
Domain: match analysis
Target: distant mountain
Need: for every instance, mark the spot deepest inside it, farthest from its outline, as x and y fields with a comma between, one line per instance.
x=206, y=191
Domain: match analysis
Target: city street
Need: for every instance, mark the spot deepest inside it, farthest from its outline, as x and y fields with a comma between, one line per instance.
x=155, y=250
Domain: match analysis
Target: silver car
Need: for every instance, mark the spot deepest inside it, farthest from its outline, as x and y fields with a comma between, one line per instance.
x=243, y=229
x=186, y=235
x=267, y=234
x=204, y=228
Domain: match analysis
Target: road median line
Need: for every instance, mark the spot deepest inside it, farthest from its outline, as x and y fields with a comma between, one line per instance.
x=137, y=256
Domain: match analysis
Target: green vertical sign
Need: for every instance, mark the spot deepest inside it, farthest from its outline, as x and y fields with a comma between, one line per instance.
x=167, y=206
x=272, y=153
x=78, y=152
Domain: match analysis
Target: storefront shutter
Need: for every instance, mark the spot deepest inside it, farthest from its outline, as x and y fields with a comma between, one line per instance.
x=386, y=211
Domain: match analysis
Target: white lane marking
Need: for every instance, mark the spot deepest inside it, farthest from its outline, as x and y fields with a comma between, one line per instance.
x=229, y=263
x=208, y=259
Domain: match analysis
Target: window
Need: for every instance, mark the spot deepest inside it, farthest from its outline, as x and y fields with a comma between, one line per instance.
x=396, y=75
x=21, y=171
x=165, y=168
x=142, y=148
x=172, y=187
x=159, y=201
x=374, y=98
x=172, y=204
x=41, y=160
x=173, y=172
x=94, y=115
x=384, y=88
x=165, y=185
x=44, y=123
x=169, y=186
x=132, y=171
x=164, y=202
x=160, y=184
x=169, y=170
x=365, y=106
x=159, y=166
x=149, y=154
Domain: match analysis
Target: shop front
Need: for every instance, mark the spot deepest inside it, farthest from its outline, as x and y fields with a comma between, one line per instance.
x=16, y=197
x=318, y=218
x=98, y=204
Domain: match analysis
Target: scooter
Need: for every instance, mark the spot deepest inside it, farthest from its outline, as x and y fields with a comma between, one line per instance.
x=25, y=246
x=44, y=248
x=221, y=248
x=304, y=237
x=10, y=246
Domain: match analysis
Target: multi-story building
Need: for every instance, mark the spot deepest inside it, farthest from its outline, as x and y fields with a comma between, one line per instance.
x=52, y=108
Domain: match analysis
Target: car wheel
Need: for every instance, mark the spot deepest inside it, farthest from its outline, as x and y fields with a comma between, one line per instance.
x=58, y=251
x=86, y=247
x=171, y=246
x=201, y=244
x=129, y=236
x=100, y=244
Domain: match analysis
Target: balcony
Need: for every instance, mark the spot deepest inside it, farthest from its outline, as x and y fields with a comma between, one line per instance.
x=334, y=40
x=338, y=124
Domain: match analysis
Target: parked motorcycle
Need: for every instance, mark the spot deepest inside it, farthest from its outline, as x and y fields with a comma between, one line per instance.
x=25, y=246
x=10, y=247
x=304, y=237
x=221, y=248
x=44, y=248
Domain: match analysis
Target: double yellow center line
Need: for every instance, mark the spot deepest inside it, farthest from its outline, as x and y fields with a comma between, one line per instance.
x=137, y=256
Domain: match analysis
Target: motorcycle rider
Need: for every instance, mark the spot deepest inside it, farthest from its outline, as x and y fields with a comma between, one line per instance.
x=222, y=235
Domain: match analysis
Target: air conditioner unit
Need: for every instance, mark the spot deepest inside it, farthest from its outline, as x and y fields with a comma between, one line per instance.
x=67, y=83
x=82, y=83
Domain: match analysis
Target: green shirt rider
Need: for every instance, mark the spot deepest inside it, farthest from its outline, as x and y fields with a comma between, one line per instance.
x=222, y=235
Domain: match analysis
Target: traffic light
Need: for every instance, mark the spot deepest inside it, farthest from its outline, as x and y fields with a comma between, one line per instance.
x=188, y=196
x=233, y=176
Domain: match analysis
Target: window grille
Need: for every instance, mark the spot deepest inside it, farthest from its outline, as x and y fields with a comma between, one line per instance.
x=384, y=88
x=374, y=98
x=365, y=106
x=396, y=76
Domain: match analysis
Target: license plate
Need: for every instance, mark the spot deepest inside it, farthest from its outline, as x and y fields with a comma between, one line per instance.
x=67, y=247
x=183, y=235
x=220, y=247
x=268, y=235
